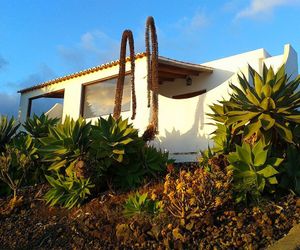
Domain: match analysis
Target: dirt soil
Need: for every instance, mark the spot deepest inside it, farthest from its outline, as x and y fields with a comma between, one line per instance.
x=99, y=224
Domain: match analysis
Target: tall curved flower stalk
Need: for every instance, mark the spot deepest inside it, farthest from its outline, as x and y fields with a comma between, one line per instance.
x=127, y=36
x=152, y=69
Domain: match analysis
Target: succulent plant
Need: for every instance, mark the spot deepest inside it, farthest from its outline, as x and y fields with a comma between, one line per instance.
x=67, y=191
x=38, y=126
x=291, y=170
x=266, y=105
x=253, y=171
x=140, y=203
x=16, y=161
x=66, y=144
x=8, y=128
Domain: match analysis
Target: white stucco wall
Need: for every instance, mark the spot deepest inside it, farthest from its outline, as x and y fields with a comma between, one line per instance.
x=56, y=111
x=73, y=88
x=183, y=123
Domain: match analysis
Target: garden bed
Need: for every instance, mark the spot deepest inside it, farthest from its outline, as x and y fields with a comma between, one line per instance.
x=242, y=194
x=100, y=224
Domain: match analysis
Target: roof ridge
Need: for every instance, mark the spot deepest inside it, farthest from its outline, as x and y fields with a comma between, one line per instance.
x=105, y=66
x=80, y=73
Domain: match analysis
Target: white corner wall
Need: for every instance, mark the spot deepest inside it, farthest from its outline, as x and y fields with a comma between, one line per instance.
x=184, y=125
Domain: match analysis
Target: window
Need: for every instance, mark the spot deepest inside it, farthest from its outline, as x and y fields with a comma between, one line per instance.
x=50, y=103
x=99, y=97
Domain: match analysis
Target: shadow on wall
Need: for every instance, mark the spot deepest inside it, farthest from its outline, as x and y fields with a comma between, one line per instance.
x=218, y=77
x=202, y=81
x=189, y=142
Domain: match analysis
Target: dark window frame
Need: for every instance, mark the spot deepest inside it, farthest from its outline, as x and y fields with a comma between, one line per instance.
x=29, y=106
x=83, y=90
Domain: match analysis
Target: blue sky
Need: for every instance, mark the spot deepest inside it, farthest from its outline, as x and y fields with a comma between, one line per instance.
x=41, y=40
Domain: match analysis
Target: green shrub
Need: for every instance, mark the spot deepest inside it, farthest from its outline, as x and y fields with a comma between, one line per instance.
x=122, y=156
x=296, y=133
x=66, y=150
x=67, y=191
x=140, y=203
x=109, y=152
x=38, y=126
x=291, y=170
x=266, y=109
x=224, y=137
x=112, y=142
x=147, y=162
x=17, y=160
x=66, y=145
x=8, y=128
x=253, y=171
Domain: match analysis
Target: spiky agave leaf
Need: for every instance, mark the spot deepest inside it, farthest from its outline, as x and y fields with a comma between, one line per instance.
x=253, y=170
x=38, y=126
x=8, y=128
x=66, y=144
x=268, y=107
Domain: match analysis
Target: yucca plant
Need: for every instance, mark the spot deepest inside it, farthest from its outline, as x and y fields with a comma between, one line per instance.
x=8, y=128
x=66, y=145
x=253, y=170
x=265, y=106
x=38, y=126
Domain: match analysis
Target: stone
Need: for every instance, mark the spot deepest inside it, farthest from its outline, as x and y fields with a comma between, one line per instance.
x=290, y=242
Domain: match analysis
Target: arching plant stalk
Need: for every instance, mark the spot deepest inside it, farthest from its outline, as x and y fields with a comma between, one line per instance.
x=127, y=36
x=152, y=84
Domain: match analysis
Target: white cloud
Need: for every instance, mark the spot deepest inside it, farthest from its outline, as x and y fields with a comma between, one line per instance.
x=93, y=48
x=193, y=23
x=43, y=73
x=9, y=98
x=257, y=8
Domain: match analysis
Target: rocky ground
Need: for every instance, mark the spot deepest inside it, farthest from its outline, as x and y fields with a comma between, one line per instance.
x=99, y=224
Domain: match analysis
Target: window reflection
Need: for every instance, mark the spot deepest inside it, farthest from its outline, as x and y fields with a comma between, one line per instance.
x=99, y=98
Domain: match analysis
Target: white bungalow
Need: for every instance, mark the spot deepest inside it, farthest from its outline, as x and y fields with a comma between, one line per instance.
x=185, y=92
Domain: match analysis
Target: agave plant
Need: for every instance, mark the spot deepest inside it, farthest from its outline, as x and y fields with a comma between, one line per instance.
x=8, y=128
x=67, y=191
x=140, y=203
x=224, y=136
x=264, y=107
x=253, y=170
x=113, y=139
x=38, y=126
x=16, y=161
x=147, y=161
x=291, y=171
x=66, y=145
